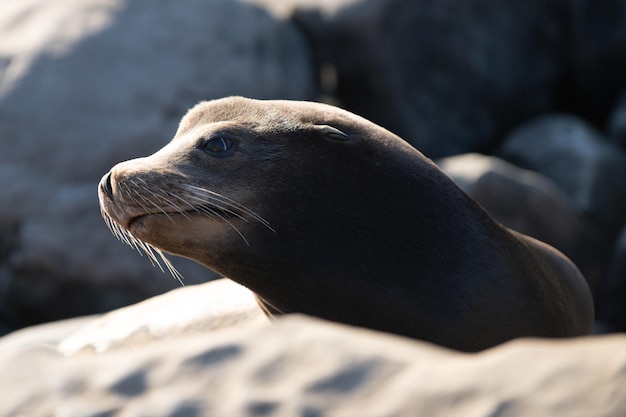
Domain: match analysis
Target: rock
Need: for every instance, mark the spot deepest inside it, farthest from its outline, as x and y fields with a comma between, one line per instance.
x=59, y=259
x=44, y=335
x=612, y=311
x=617, y=123
x=449, y=77
x=597, y=71
x=532, y=204
x=109, y=73
x=85, y=84
x=205, y=308
x=590, y=170
x=302, y=366
x=202, y=308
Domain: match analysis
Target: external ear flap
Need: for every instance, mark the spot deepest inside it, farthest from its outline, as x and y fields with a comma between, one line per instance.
x=332, y=132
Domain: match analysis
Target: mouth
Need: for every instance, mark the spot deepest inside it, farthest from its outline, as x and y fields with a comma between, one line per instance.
x=216, y=213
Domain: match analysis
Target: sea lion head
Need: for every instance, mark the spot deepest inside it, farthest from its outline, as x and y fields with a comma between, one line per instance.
x=242, y=177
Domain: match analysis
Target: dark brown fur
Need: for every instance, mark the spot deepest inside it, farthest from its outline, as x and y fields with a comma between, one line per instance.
x=362, y=228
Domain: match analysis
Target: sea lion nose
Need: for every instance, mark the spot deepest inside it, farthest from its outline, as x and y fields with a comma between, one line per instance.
x=105, y=185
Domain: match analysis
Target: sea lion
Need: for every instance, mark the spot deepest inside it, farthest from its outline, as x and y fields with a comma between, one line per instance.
x=320, y=211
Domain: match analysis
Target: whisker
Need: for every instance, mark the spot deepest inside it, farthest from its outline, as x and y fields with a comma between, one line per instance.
x=214, y=213
x=143, y=247
x=172, y=204
x=221, y=207
x=213, y=197
x=152, y=203
x=198, y=199
x=170, y=267
x=147, y=202
x=152, y=252
x=223, y=204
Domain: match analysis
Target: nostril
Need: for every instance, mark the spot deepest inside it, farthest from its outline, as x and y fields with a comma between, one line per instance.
x=105, y=185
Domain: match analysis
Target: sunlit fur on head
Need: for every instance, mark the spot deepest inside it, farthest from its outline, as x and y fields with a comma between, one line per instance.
x=244, y=112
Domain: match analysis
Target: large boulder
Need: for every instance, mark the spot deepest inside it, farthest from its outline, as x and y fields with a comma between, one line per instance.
x=85, y=84
x=186, y=366
x=534, y=205
x=449, y=77
x=111, y=78
x=452, y=77
x=588, y=167
x=202, y=308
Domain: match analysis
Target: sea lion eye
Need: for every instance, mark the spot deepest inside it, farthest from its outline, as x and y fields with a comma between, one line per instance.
x=217, y=144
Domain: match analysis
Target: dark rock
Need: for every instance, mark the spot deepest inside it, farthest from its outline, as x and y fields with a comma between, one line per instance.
x=617, y=123
x=590, y=170
x=532, y=204
x=612, y=311
x=596, y=73
x=449, y=77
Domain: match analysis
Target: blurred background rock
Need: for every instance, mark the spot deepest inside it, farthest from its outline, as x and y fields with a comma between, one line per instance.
x=522, y=103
